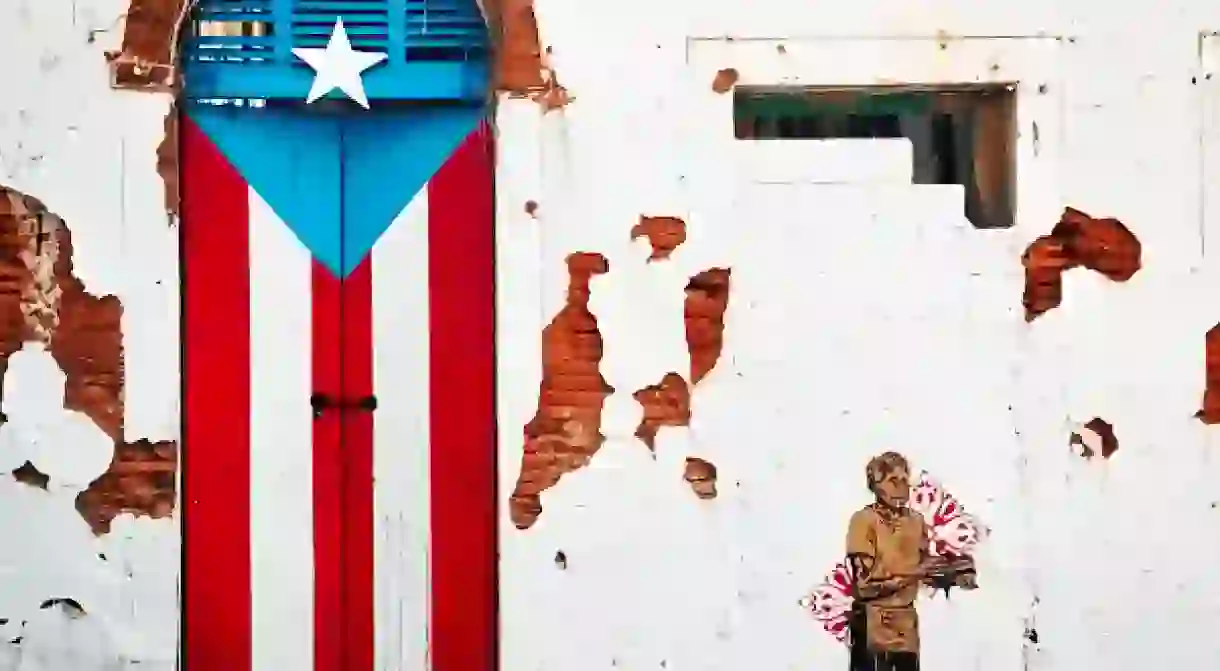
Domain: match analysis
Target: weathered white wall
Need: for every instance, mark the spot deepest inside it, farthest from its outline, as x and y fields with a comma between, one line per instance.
x=88, y=153
x=1109, y=561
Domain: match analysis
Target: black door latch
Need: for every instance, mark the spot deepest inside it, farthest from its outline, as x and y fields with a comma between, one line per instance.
x=321, y=402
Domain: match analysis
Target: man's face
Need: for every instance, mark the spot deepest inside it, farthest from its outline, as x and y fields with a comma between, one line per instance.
x=894, y=488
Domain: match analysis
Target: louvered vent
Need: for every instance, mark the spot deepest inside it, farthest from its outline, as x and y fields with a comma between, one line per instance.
x=437, y=49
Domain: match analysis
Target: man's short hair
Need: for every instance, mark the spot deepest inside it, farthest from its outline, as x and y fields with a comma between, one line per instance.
x=882, y=465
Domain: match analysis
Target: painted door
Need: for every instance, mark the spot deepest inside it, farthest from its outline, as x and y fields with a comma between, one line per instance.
x=338, y=366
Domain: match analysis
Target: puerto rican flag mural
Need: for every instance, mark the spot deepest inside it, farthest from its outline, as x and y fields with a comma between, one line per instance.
x=339, y=467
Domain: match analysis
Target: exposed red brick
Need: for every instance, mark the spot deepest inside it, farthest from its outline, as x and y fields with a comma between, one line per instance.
x=84, y=334
x=725, y=80
x=521, y=67
x=147, y=59
x=28, y=474
x=666, y=403
x=665, y=234
x=518, y=65
x=1210, y=412
x=701, y=474
x=1044, y=259
x=1097, y=434
x=15, y=275
x=88, y=345
x=167, y=160
x=707, y=299
x=140, y=480
x=565, y=432
x=1103, y=245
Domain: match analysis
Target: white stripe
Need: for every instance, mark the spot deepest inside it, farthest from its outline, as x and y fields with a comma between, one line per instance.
x=281, y=445
x=401, y=440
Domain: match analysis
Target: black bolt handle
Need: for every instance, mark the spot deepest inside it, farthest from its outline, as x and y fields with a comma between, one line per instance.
x=319, y=403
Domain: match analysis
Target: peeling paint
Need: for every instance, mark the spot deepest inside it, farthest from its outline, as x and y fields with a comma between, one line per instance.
x=565, y=432
x=666, y=403
x=701, y=474
x=1102, y=245
x=82, y=331
x=148, y=61
x=76, y=599
x=167, y=160
x=148, y=56
x=707, y=299
x=1210, y=412
x=1094, y=437
x=521, y=64
x=665, y=234
x=28, y=474
x=68, y=605
x=83, y=335
x=140, y=481
x=869, y=315
x=726, y=79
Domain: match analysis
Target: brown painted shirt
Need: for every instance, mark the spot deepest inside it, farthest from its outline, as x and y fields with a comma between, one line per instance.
x=897, y=546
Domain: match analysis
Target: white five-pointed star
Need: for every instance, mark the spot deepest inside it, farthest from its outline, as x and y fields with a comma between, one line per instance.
x=337, y=66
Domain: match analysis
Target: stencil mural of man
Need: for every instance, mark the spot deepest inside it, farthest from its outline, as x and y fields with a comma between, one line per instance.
x=887, y=552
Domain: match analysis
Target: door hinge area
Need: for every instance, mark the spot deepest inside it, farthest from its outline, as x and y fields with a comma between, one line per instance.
x=320, y=403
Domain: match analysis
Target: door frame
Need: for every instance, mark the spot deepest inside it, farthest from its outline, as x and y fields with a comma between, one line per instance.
x=457, y=598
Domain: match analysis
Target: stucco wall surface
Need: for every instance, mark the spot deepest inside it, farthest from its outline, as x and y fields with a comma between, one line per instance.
x=805, y=334
x=89, y=547
x=863, y=313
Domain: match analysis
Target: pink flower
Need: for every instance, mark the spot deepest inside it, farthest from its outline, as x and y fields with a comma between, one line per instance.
x=950, y=529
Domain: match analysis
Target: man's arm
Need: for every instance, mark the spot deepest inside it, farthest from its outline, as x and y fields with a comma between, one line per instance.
x=866, y=587
x=862, y=557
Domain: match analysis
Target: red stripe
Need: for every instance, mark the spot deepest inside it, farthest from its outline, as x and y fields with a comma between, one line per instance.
x=216, y=407
x=328, y=513
x=463, y=423
x=358, y=572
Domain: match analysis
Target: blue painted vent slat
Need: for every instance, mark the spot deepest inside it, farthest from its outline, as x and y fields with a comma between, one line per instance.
x=436, y=49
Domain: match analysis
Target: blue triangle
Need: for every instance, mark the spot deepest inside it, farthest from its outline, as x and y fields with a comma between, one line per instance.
x=291, y=157
x=337, y=180
x=389, y=154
